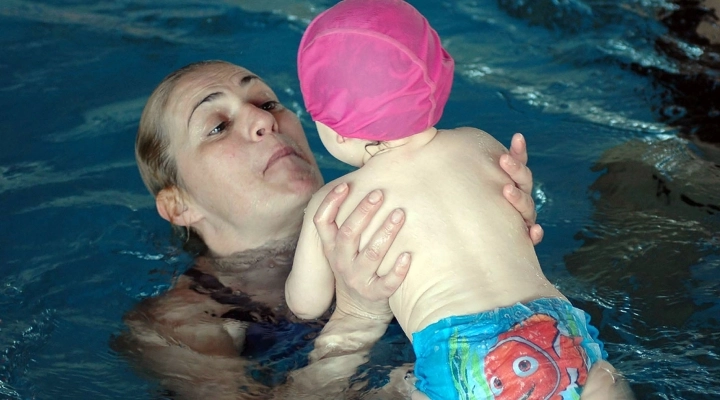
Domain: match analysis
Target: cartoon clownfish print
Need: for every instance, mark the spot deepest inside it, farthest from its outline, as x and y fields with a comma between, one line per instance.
x=535, y=361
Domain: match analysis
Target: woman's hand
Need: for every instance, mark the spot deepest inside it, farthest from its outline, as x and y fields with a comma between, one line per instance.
x=520, y=194
x=360, y=291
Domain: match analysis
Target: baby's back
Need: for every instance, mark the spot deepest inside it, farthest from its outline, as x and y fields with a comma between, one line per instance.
x=470, y=248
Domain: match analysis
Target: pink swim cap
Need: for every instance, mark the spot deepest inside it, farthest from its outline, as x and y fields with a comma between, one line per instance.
x=374, y=69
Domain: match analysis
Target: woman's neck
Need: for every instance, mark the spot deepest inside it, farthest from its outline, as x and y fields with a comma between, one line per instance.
x=260, y=273
x=271, y=254
x=228, y=239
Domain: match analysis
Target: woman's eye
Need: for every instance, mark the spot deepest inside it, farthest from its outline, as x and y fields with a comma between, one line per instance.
x=219, y=129
x=271, y=105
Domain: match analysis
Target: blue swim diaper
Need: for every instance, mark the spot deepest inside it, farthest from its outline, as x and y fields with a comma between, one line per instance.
x=542, y=348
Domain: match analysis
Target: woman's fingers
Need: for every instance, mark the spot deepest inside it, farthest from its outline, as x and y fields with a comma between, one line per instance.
x=520, y=194
x=347, y=241
x=378, y=288
x=519, y=172
x=326, y=213
x=522, y=202
x=381, y=239
x=515, y=164
x=358, y=284
x=356, y=270
x=371, y=256
x=390, y=282
x=525, y=205
x=518, y=148
x=536, y=234
x=343, y=242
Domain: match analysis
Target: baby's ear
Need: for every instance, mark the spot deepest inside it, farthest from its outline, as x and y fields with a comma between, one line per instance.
x=172, y=207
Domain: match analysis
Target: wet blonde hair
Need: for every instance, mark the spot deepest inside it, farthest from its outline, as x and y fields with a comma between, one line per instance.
x=157, y=165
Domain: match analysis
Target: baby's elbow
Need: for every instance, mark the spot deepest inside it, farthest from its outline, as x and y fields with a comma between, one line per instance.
x=305, y=313
x=302, y=309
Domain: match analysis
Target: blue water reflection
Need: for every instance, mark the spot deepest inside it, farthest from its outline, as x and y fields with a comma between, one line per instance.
x=622, y=155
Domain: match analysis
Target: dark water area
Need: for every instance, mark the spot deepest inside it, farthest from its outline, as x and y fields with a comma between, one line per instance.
x=618, y=101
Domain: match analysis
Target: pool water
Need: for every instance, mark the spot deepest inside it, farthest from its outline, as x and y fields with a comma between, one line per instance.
x=628, y=197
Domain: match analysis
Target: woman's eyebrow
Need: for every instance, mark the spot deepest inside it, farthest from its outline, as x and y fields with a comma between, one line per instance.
x=248, y=78
x=208, y=98
x=212, y=96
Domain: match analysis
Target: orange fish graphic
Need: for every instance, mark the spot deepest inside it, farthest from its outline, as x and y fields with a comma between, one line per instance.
x=535, y=361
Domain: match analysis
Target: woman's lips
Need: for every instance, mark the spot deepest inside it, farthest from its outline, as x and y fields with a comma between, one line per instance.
x=280, y=154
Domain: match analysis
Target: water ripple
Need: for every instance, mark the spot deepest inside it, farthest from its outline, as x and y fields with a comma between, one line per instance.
x=30, y=174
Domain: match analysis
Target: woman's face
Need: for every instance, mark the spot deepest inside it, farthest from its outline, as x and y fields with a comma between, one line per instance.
x=243, y=159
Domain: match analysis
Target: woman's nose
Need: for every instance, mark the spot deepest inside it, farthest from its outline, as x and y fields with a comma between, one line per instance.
x=262, y=123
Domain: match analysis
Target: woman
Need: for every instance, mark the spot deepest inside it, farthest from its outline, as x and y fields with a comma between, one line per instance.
x=228, y=162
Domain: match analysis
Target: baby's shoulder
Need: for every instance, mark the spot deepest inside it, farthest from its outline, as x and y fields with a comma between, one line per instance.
x=469, y=137
x=320, y=195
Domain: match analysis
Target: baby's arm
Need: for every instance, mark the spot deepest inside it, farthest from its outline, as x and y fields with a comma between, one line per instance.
x=310, y=287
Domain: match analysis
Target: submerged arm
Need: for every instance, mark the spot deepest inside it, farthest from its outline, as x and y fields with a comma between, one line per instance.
x=192, y=355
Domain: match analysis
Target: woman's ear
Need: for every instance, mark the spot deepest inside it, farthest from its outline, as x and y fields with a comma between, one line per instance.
x=173, y=208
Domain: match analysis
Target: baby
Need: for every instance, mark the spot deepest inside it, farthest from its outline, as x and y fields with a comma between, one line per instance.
x=483, y=319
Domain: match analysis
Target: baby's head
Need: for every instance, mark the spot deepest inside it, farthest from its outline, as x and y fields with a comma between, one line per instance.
x=374, y=70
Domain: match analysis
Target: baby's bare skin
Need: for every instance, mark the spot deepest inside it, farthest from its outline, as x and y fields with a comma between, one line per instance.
x=471, y=250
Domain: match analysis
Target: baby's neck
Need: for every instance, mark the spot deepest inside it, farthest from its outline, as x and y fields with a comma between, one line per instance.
x=405, y=145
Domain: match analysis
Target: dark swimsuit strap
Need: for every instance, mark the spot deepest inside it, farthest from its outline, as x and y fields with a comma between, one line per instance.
x=268, y=338
x=247, y=309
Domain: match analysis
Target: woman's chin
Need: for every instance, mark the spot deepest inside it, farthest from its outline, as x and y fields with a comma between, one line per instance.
x=299, y=175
